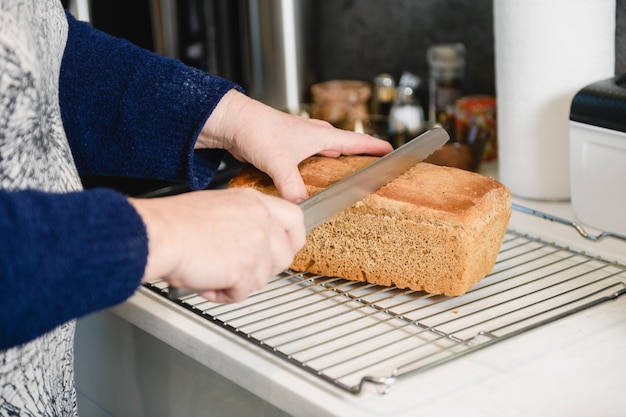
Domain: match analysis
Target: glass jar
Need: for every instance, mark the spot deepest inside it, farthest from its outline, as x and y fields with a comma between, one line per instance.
x=340, y=102
x=446, y=64
x=406, y=116
x=384, y=94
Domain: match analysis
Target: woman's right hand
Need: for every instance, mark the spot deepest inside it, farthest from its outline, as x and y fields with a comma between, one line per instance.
x=223, y=243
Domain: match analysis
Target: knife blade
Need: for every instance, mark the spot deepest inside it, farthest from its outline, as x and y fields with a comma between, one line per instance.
x=344, y=193
x=349, y=190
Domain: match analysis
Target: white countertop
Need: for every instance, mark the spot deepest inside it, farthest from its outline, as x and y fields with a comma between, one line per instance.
x=573, y=367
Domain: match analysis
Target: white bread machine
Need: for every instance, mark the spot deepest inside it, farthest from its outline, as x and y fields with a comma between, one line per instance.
x=598, y=155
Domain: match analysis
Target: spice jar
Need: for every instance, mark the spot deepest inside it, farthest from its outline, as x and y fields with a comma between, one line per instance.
x=384, y=94
x=476, y=125
x=340, y=102
x=406, y=117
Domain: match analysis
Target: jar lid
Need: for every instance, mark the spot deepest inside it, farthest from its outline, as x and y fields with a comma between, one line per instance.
x=446, y=56
x=341, y=90
x=384, y=80
x=602, y=104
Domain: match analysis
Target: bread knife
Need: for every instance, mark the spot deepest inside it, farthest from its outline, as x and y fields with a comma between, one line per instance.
x=349, y=190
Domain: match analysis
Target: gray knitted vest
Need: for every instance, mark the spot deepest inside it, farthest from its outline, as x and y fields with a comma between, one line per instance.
x=36, y=379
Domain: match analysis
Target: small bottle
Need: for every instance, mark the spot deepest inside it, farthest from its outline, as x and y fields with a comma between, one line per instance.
x=406, y=116
x=447, y=65
x=384, y=94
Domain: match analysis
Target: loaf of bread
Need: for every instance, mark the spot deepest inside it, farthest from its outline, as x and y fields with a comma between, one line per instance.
x=436, y=229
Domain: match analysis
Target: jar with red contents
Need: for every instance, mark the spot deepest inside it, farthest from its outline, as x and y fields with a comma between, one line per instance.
x=476, y=126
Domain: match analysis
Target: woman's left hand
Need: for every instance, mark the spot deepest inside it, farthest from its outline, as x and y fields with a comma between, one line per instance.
x=276, y=142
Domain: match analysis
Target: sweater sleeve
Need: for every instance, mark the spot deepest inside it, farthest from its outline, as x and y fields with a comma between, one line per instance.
x=91, y=256
x=130, y=112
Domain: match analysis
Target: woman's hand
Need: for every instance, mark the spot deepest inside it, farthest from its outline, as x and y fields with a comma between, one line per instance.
x=276, y=142
x=225, y=243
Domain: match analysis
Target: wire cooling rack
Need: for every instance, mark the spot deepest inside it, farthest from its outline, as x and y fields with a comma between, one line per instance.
x=354, y=334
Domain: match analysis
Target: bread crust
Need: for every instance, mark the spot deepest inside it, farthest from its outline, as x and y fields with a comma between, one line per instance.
x=435, y=229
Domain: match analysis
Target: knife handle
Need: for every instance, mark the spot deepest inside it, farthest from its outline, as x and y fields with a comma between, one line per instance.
x=178, y=293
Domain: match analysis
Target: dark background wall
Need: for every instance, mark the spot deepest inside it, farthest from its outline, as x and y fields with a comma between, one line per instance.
x=361, y=38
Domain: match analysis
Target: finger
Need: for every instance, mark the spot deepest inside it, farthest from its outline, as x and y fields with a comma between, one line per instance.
x=290, y=219
x=289, y=183
x=282, y=251
x=245, y=286
x=225, y=296
x=352, y=143
x=211, y=295
x=240, y=288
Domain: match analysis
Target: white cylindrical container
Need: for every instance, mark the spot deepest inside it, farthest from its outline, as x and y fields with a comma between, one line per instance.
x=545, y=52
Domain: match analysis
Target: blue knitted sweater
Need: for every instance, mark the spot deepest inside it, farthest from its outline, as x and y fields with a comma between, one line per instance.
x=126, y=112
